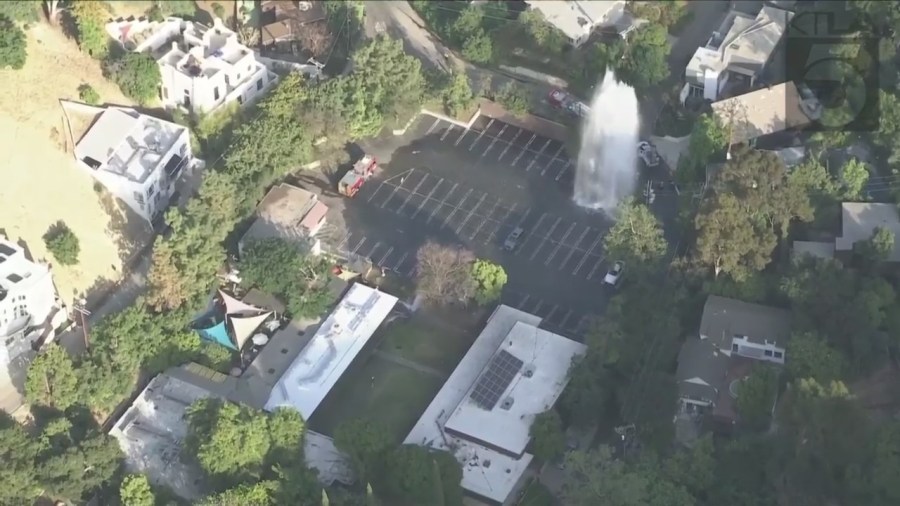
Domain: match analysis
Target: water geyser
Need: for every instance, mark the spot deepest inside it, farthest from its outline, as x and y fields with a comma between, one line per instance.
x=606, y=172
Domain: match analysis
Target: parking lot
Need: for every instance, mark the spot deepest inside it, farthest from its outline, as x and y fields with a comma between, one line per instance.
x=474, y=187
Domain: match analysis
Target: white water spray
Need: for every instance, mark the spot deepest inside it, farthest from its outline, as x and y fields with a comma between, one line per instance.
x=607, y=171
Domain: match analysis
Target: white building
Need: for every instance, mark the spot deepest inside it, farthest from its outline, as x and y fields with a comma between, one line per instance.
x=29, y=310
x=202, y=68
x=138, y=158
x=209, y=68
x=483, y=413
x=741, y=48
x=578, y=18
x=316, y=369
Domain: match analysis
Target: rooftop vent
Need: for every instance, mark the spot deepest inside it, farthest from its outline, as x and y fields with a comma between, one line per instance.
x=507, y=403
x=529, y=371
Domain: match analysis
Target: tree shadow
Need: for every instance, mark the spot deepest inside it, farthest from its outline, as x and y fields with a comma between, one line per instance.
x=130, y=232
x=68, y=25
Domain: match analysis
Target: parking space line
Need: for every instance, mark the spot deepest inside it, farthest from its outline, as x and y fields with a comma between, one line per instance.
x=397, y=187
x=522, y=304
x=560, y=244
x=565, y=319
x=530, y=233
x=371, y=254
x=340, y=246
x=547, y=236
x=466, y=132
x=372, y=196
x=447, y=131
x=596, y=266
x=436, y=122
x=385, y=256
x=497, y=138
x=413, y=192
x=456, y=208
x=550, y=314
x=510, y=144
x=469, y=217
x=565, y=168
x=587, y=254
x=552, y=160
x=575, y=247
x=487, y=218
x=400, y=262
x=426, y=199
x=361, y=242
x=537, y=309
x=441, y=203
x=499, y=224
x=539, y=153
x=525, y=149
x=481, y=134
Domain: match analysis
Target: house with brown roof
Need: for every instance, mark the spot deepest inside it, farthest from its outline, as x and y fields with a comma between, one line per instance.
x=290, y=213
x=280, y=20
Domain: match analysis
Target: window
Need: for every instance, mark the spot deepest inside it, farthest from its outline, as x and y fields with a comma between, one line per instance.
x=240, y=100
x=216, y=93
x=151, y=190
x=139, y=199
x=768, y=353
x=165, y=93
x=734, y=347
x=238, y=78
x=779, y=354
x=259, y=84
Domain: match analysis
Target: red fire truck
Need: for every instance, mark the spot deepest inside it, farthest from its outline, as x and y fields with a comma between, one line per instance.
x=353, y=180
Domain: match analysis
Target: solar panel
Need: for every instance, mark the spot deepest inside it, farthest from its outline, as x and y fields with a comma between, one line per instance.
x=494, y=381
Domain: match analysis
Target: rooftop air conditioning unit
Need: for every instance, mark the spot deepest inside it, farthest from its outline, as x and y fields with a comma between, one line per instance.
x=507, y=403
x=304, y=6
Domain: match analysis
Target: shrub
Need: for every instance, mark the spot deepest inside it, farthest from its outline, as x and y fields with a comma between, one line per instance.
x=21, y=10
x=90, y=18
x=12, y=44
x=218, y=10
x=137, y=75
x=62, y=244
x=88, y=94
x=513, y=98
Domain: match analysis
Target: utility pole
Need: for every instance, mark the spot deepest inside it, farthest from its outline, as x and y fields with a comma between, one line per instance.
x=80, y=308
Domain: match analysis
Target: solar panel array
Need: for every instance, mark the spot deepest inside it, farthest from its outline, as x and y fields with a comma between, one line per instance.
x=494, y=381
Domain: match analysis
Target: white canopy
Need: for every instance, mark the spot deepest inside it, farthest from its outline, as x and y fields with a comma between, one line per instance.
x=236, y=307
x=245, y=326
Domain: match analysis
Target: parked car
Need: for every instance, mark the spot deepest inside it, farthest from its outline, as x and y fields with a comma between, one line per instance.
x=512, y=239
x=614, y=274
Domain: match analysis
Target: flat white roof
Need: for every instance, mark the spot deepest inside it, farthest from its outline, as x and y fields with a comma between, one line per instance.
x=547, y=357
x=321, y=363
x=128, y=143
x=576, y=18
x=487, y=472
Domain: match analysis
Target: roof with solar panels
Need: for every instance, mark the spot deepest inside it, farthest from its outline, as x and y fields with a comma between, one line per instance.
x=483, y=413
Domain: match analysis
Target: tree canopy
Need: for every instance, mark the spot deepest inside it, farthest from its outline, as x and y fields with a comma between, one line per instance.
x=636, y=238
x=445, y=273
x=137, y=74
x=13, y=45
x=490, y=278
x=548, y=441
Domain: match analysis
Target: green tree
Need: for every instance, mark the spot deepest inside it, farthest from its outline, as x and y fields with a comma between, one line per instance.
x=135, y=491
x=744, y=472
x=23, y=11
x=218, y=10
x=467, y=25
x=513, y=98
x=693, y=468
x=180, y=8
x=478, y=48
x=490, y=278
x=587, y=396
x=645, y=62
x=409, y=477
x=444, y=273
x=279, y=267
x=636, y=238
x=137, y=75
x=51, y=380
x=90, y=18
x=548, y=441
x=80, y=470
x=756, y=397
x=286, y=430
x=257, y=494
x=886, y=465
x=458, y=96
x=366, y=442
x=824, y=193
x=88, y=94
x=876, y=249
x=230, y=442
x=13, y=46
x=854, y=175
x=810, y=356
x=18, y=452
x=708, y=138
x=63, y=244
x=543, y=34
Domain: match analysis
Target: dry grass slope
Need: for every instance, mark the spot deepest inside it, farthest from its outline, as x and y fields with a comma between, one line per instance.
x=41, y=183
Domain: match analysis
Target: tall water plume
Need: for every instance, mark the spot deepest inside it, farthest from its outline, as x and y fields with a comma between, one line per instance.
x=606, y=172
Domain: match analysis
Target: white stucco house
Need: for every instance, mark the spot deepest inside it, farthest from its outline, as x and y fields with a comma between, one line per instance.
x=578, y=18
x=137, y=158
x=202, y=68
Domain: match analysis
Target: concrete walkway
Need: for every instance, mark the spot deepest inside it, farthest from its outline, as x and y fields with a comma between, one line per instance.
x=405, y=362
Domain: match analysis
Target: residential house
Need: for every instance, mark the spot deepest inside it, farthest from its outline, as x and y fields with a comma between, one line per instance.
x=577, y=19
x=281, y=19
x=29, y=311
x=137, y=158
x=209, y=68
x=859, y=221
x=290, y=213
x=765, y=112
x=734, y=335
x=739, y=50
x=483, y=414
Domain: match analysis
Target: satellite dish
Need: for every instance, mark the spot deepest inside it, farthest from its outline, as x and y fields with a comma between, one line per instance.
x=260, y=339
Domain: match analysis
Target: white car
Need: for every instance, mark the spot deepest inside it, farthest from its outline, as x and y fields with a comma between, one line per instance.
x=647, y=152
x=614, y=275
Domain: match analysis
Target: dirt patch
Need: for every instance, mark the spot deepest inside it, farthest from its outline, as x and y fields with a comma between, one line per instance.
x=42, y=184
x=136, y=8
